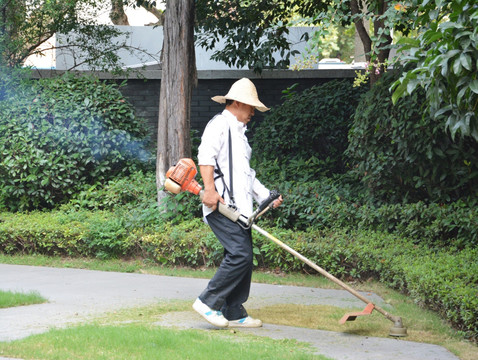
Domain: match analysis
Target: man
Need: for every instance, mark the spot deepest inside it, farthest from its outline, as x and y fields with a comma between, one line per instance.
x=224, y=150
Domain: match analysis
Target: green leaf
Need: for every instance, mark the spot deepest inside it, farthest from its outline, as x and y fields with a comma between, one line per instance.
x=399, y=91
x=474, y=86
x=412, y=85
x=457, y=67
x=465, y=60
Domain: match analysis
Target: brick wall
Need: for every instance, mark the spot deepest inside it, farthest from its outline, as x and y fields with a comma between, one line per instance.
x=143, y=92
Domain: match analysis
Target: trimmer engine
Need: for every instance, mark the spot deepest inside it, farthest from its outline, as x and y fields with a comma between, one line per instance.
x=181, y=178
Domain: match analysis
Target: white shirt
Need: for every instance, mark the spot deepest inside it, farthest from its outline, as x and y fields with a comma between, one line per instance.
x=215, y=146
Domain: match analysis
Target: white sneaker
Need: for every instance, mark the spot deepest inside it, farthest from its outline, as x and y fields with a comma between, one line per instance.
x=246, y=322
x=214, y=317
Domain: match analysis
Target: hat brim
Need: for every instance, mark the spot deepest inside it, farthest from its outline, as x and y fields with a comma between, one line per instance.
x=257, y=104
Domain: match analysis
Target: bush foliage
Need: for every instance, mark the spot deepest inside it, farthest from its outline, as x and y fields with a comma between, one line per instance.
x=402, y=154
x=61, y=134
x=310, y=124
x=335, y=204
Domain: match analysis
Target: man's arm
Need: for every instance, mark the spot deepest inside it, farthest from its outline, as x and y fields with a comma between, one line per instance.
x=211, y=196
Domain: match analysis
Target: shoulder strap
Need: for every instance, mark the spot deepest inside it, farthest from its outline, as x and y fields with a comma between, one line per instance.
x=230, y=189
x=231, y=192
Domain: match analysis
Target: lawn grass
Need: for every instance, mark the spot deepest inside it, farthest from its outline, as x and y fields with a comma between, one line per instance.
x=136, y=341
x=132, y=334
x=422, y=325
x=14, y=298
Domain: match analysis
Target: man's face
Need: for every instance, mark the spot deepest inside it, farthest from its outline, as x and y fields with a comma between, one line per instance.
x=244, y=112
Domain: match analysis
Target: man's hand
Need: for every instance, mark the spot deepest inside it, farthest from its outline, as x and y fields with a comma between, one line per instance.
x=211, y=198
x=277, y=202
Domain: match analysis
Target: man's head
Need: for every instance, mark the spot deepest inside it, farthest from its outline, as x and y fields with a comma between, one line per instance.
x=241, y=111
x=243, y=91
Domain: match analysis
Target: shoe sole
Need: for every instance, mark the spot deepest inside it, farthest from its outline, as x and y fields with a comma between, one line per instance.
x=236, y=325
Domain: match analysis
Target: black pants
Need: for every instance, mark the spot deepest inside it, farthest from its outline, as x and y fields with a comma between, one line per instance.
x=230, y=286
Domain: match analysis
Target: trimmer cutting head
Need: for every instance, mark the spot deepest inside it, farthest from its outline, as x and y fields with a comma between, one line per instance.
x=398, y=329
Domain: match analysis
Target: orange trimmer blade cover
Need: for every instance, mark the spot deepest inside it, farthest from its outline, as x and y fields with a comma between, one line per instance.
x=352, y=316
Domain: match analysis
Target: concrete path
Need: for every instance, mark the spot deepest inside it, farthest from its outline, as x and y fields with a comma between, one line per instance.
x=76, y=295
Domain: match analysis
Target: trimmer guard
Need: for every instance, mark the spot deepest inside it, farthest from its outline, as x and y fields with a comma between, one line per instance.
x=352, y=316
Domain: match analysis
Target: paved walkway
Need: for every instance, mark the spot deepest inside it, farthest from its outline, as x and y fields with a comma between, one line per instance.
x=76, y=295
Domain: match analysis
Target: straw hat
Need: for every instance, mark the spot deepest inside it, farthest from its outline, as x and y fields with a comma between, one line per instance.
x=243, y=91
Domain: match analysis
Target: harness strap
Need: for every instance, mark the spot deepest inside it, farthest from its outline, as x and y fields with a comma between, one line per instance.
x=220, y=174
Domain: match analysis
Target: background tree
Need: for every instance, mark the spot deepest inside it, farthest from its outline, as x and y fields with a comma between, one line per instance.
x=177, y=81
x=118, y=15
x=445, y=59
x=252, y=31
x=26, y=25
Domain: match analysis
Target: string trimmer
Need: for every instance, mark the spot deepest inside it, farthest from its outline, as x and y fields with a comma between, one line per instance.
x=181, y=177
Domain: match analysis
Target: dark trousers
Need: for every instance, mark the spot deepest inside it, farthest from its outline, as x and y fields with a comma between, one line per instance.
x=230, y=286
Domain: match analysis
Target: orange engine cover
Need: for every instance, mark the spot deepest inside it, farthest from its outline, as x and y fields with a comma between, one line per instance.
x=183, y=173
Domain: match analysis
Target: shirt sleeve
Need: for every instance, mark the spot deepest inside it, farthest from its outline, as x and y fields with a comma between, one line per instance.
x=259, y=191
x=211, y=142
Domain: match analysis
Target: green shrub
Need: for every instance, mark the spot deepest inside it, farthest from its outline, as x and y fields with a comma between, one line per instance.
x=42, y=233
x=339, y=203
x=401, y=154
x=134, y=199
x=324, y=203
x=311, y=124
x=133, y=190
x=100, y=234
x=187, y=244
x=12, y=80
x=61, y=134
x=433, y=225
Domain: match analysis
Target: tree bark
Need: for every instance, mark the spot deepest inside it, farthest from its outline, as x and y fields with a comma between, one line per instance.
x=159, y=14
x=360, y=27
x=117, y=14
x=378, y=66
x=177, y=81
x=383, y=54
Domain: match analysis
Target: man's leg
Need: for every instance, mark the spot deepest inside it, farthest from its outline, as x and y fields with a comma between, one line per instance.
x=230, y=286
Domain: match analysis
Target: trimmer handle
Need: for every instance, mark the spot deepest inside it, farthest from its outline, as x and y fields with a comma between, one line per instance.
x=229, y=212
x=274, y=194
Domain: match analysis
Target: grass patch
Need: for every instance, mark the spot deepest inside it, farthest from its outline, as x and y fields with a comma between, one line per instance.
x=135, y=341
x=131, y=334
x=13, y=298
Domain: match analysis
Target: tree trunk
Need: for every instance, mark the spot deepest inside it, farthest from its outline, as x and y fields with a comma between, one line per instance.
x=156, y=12
x=378, y=66
x=360, y=28
x=177, y=81
x=12, y=14
x=117, y=14
x=383, y=54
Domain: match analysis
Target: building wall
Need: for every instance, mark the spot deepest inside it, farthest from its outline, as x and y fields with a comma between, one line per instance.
x=141, y=45
x=143, y=90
